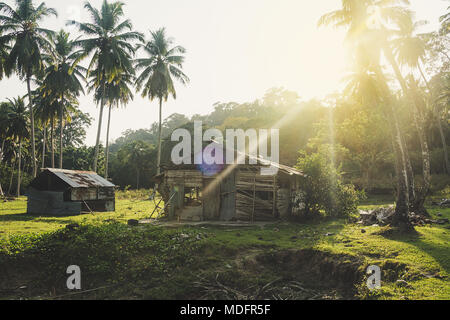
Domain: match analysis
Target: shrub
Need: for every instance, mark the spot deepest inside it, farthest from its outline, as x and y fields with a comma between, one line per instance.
x=323, y=188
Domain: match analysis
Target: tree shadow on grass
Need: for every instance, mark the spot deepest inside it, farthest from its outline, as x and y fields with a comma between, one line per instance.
x=439, y=249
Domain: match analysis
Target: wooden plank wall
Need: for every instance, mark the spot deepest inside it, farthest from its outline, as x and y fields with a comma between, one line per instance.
x=211, y=200
x=249, y=206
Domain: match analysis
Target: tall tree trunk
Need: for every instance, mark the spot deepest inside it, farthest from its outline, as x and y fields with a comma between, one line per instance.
x=99, y=130
x=43, y=145
x=52, y=138
x=409, y=172
x=426, y=168
x=11, y=177
x=61, y=131
x=401, y=218
x=18, y=170
x=438, y=121
x=419, y=204
x=107, y=143
x=137, y=179
x=158, y=170
x=33, y=143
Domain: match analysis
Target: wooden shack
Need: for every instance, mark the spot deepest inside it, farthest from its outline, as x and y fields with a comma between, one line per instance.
x=64, y=192
x=234, y=193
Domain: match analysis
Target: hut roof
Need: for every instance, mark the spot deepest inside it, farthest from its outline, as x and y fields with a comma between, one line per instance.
x=259, y=160
x=77, y=179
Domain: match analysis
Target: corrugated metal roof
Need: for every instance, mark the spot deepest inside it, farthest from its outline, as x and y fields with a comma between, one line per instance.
x=81, y=179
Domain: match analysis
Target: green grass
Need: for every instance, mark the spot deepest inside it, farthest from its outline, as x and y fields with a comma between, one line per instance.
x=15, y=221
x=150, y=262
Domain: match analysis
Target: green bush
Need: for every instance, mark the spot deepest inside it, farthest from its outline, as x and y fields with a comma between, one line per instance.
x=323, y=188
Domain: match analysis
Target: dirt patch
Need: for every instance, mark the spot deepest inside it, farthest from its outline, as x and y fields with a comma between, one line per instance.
x=318, y=269
x=286, y=275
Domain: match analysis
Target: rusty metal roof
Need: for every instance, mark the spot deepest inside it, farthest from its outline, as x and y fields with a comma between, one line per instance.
x=81, y=179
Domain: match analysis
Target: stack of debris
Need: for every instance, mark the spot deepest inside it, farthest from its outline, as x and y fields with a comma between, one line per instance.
x=380, y=216
x=384, y=216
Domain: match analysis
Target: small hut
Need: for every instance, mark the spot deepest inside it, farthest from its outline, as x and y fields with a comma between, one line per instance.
x=64, y=192
x=231, y=193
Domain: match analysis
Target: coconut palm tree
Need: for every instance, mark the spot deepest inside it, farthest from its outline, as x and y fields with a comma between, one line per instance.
x=63, y=78
x=19, y=27
x=18, y=118
x=159, y=70
x=118, y=93
x=109, y=43
x=115, y=94
x=46, y=110
x=410, y=51
x=366, y=34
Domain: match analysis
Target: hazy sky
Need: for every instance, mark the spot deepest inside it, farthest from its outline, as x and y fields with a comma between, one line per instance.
x=236, y=50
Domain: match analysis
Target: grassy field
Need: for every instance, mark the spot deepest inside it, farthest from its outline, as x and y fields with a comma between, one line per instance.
x=328, y=258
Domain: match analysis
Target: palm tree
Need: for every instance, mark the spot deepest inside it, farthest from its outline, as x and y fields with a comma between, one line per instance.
x=410, y=50
x=63, y=78
x=118, y=93
x=20, y=28
x=18, y=119
x=110, y=45
x=46, y=110
x=356, y=16
x=163, y=64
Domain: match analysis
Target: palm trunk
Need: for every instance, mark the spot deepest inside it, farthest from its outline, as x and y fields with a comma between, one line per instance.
x=11, y=177
x=18, y=172
x=158, y=170
x=401, y=217
x=99, y=130
x=409, y=172
x=52, y=142
x=61, y=132
x=43, y=146
x=418, y=119
x=107, y=143
x=33, y=145
x=419, y=204
x=439, y=123
x=137, y=179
